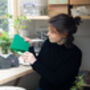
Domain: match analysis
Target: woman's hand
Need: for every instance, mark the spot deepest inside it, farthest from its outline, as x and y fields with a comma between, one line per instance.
x=27, y=40
x=28, y=57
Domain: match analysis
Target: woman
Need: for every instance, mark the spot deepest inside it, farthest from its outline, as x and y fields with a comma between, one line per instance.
x=59, y=59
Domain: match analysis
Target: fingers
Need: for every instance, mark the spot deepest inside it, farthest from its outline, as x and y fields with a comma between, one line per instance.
x=28, y=57
x=27, y=40
x=23, y=37
x=26, y=53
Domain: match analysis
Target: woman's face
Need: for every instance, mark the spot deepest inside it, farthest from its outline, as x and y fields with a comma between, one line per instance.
x=54, y=35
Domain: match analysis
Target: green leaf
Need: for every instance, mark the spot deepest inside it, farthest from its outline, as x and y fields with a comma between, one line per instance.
x=17, y=21
x=9, y=16
x=22, y=17
x=23, y=27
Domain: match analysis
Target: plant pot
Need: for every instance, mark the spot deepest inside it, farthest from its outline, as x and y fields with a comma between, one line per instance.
x=4, y=51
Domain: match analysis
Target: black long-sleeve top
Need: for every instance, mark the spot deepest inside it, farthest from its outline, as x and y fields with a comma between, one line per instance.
x=57, y=65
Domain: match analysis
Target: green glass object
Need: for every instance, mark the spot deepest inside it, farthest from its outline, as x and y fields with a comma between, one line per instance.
x=19, y=45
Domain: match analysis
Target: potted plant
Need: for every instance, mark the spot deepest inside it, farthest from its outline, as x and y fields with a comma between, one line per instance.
x=5, y=42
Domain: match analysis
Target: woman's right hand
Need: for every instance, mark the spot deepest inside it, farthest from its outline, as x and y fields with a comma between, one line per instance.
x=28, y=57
x=27, y=40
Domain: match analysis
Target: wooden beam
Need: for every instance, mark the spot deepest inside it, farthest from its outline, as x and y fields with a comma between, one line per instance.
x=15, y=12
x=15, y=8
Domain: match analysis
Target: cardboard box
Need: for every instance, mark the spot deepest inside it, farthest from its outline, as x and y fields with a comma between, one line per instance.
x=57, y=9
x=79, y=2
x=58, y=2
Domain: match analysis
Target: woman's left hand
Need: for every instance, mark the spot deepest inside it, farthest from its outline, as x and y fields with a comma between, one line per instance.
x=28, y=57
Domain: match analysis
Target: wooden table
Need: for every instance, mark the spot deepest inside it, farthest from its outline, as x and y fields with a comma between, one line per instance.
x=7, y=75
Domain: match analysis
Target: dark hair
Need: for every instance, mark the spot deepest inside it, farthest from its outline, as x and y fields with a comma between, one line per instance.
x=65, y=23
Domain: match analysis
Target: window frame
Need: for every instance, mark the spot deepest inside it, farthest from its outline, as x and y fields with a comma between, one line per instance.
x=13, y=10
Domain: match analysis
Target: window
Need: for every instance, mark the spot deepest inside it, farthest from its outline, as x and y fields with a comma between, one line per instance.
x=6, y=6
x=3, y=11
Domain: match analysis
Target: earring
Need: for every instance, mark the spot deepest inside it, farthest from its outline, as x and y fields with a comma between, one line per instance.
x=63, y=39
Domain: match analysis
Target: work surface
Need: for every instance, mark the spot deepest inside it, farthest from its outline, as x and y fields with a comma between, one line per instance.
x=7, y=75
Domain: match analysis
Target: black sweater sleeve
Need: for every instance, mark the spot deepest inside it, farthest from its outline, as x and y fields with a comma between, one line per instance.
x=66, y=72
x=31, y=49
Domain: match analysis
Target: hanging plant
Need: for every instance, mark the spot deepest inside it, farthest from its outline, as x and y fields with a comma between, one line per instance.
x=17, y=22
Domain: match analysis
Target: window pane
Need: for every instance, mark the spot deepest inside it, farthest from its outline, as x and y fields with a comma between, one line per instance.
x=3, y=11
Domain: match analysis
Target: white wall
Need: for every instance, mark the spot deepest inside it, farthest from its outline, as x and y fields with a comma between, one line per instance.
x=82, y=39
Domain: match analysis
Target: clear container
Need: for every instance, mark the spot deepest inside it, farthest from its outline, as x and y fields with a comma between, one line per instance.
x=34, y=7
x=28, y=8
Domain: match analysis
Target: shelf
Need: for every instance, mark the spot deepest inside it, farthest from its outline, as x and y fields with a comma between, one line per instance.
x=57, y=4
x=32, y=17
x=85, y=17
x=60, y=2
x=37, y=17
x=80, y=2
x=37, y=40
x=47, y=17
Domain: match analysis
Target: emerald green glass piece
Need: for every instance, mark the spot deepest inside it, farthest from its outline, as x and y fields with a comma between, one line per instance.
x=19, y=44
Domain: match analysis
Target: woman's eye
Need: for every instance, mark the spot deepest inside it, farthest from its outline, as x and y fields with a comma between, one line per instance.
x=53, y=32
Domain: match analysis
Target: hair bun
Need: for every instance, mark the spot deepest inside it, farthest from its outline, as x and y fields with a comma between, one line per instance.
x=77, y=20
